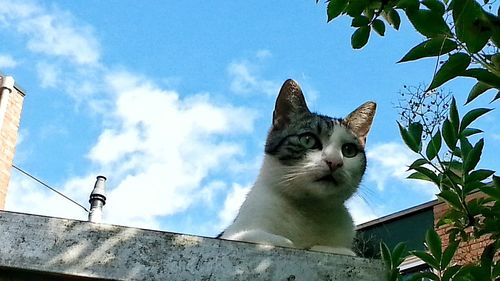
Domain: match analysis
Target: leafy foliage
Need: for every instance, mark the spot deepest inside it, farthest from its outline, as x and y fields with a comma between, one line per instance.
x=462, y=29
x=393, y=260
x=453, y=168
x=463, y=36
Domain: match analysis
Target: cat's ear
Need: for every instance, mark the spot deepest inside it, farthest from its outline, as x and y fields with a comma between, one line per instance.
x=290, y=101
x=360, y=120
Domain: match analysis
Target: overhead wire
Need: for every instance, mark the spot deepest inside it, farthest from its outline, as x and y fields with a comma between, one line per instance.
x=49, y=187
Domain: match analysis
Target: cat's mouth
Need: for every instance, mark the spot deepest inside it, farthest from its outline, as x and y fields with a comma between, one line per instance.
x=328, y=179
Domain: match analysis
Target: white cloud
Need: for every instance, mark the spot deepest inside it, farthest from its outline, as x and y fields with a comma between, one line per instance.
x=263, y=54
x=51, y=32
x=361, y=211
x=245, y=79
x=7, y=61
x=389, y=162
x=48, y=74
x=157, y=147
x=232, y=204
x=26, y=195
x=63, y=50
x=160, y=147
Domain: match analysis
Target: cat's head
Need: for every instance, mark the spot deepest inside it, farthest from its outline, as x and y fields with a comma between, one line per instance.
x=313, y=156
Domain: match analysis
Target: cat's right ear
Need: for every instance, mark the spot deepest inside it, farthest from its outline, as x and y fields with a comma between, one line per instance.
x=290, y=101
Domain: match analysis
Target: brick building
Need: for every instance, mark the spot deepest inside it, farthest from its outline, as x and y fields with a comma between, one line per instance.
x=410, y=226
x=11, y=103
x=467, y=252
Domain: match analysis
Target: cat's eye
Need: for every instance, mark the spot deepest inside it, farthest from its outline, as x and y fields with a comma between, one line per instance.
x=349, y=150
x=309, y=141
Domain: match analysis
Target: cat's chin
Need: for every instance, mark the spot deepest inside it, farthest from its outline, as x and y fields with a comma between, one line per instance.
x=328, y=179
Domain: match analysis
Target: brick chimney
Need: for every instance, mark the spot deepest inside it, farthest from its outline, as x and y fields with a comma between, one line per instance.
x=11, y=103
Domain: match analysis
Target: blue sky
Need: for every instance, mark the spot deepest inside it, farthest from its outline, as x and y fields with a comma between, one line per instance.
x=172, y=102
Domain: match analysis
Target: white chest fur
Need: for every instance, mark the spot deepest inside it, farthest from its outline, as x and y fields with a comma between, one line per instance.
x=269, y=216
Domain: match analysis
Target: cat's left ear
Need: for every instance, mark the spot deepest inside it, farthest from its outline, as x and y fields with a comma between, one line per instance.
x=290, y=101
x=360, y=120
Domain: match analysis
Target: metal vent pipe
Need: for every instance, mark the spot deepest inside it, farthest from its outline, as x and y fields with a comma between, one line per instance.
x=97, y=200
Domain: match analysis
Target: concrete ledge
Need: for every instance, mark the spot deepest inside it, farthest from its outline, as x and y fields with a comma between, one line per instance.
x=32, y=244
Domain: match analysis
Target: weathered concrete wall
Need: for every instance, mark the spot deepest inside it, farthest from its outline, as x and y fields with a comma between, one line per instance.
x=97, y=251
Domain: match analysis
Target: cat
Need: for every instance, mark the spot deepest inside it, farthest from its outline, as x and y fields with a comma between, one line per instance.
x=312, y=165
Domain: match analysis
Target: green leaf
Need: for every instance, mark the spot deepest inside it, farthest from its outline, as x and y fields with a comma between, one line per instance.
x=477, y=273
x=415, y=129
x=454, y=174
x=419, y=176
x=428, y=23
x=356, y=7
x=427, y=258
x=386, y=255
x=450, y=217
x=398, y=254
x=495, y=37
x=479, y=175
x=475, y=207
x=454, y=66
x=497, y=96
x=360, y=37
x=471, y=116
x=477, y=90
x=409, y=139
x=487, y=258
x=418, y=163
x=369, y=13
x=335, y=8
x=467, y=132
x=422, y=275
x=457, y=152
x=430, y=48
x=434, y=146
x=449, y=135
x=409, y=5
x=451, y=198
x=491, y=190
x=495, y=59
x=428, y=173
x=464, y=273
x=474, y=156
x=435, y=6
x=392, y=17
x=433, y=242
x=450, y=272
x=448, y=254
x=454, y=117
x=483, y=75
x=360, y=21
x=379, y=27
x=471, y=24
x=496, y=270
x=472, y=186
x=465, y=148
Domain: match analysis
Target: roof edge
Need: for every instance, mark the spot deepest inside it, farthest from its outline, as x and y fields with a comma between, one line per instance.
x=399, y=214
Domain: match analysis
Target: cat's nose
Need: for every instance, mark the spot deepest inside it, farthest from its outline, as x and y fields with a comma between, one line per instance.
x=333, y=164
